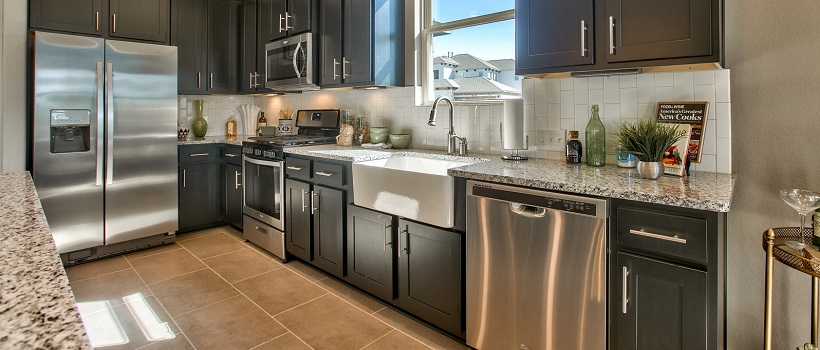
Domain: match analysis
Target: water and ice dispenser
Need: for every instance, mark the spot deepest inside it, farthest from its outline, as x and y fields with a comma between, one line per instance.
x=70, y=130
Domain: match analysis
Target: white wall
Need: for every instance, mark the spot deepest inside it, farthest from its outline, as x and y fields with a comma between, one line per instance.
x=549, y=104
x=13, y=14
x=773, y=49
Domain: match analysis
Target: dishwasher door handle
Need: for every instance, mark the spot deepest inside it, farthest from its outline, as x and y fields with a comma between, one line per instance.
x=528, y=210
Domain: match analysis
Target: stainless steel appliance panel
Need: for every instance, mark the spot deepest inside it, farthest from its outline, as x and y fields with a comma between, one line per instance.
x=289, y=64
x=68, y=75
x=536, y=273
x=141, y=177
x=263, y=191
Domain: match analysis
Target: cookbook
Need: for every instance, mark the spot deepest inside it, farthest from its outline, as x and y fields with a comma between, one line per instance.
x=692, y=114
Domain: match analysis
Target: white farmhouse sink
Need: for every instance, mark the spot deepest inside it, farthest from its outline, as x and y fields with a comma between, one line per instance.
x=411, y=187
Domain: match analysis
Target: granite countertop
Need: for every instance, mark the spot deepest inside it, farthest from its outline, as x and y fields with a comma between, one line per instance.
x=700, y=190
x=212, y=139
x=37, y=307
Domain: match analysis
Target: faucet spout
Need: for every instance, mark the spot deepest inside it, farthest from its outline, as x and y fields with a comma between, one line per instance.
x=451, y=134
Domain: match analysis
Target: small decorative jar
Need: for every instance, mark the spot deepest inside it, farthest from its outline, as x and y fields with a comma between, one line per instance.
x=626, y=160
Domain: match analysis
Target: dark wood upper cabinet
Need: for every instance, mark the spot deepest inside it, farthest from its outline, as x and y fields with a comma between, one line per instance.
x=75, y=16
x=207, y=36
x=139, y=20
x=549, y=38
x=619, y=34
x=647, y=29
x=251, y=51
x=144, y=20
x=283, y=18
x=361, y=43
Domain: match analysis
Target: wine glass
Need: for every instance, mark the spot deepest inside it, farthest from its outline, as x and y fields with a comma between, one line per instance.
x=804, y=201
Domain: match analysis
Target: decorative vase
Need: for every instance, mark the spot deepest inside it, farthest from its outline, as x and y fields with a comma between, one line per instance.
x=285, y=127
x=650, y=170
x=199, y=125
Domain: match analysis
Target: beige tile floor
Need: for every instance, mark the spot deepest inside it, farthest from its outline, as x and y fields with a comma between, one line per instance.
x=212, y=290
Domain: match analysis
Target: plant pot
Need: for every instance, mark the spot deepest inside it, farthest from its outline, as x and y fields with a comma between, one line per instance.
x=650, y=170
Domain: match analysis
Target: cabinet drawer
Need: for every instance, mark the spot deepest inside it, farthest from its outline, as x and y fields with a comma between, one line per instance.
x=663, y=233
x=232, y=155
x=197, y=153
x=297, y=168
x=330, y=174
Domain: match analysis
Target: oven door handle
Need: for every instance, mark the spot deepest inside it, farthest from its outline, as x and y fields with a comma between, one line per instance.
x=274, y=163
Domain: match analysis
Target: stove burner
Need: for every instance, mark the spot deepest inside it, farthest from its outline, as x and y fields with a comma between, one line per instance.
x=293, y=140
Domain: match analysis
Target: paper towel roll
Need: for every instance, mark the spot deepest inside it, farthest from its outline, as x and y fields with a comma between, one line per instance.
x=512, y=125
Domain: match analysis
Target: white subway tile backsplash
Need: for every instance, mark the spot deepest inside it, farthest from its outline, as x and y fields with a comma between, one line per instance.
x=722, y=86
x=548, y=104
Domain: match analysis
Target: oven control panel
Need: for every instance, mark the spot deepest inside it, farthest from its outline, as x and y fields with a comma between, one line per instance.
x=262, y=152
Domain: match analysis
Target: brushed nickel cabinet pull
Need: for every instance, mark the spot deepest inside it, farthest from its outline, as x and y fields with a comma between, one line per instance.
x=583, y=38
x=287, y=25
x=236, y=180
x=198, y=154
x=250, y=80
x=321, y=173
x=624, y=299
x=312, y=208
x=345, y=62
x=280, y=23
x=335, y=63
x=210, y=80
x=303, y=201
x=114, y=23
x=297, y=168
x=97, y=21
x=611, y=35
x=231, y=155
x=674, y=238
x=198, y=79
x=183, y=178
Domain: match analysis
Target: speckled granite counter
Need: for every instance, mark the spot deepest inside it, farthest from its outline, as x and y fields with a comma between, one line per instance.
x=36, y=305
x=704, y=191
x=212, y=139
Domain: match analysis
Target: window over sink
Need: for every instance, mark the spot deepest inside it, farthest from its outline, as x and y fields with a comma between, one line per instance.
x=468, y=50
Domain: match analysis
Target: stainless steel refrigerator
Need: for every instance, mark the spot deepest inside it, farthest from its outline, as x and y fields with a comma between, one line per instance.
x=104, y=143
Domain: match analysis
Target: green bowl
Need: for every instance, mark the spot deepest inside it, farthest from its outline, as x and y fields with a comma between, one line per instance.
x=377, y=137
x=380, y=129
x=400, y=140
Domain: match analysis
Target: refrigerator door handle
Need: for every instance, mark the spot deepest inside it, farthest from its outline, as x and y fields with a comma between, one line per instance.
x=100, y=123
x=109, y=123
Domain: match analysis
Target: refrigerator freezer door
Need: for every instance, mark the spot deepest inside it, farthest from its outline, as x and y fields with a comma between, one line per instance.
x=141, y=194
x=68, y=81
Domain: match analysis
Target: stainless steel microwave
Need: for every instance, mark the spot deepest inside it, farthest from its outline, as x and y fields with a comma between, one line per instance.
x=290, y=65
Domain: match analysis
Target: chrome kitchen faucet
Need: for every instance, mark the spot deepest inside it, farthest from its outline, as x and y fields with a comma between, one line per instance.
x=451, y=135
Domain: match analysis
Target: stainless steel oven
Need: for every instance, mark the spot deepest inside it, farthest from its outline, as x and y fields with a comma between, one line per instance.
x=263, y=210
x=290, y=65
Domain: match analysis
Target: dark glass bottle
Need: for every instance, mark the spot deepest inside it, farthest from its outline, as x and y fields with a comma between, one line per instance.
x=574, y=148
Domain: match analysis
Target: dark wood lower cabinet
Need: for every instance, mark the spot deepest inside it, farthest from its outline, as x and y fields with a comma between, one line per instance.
x=297, y=219
x=198, y=195
x=429, y=274
x=328, y=229
x=370, y=251
x=232, y=178
x=664, y=306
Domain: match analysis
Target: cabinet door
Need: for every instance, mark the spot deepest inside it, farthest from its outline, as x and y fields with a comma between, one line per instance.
x=554, y=33
x=298, y=219
x=330, y=41
x=223, y=37
x=247, y=47
x=664, y=306
x=190, y=23
x=430, y=274
x=299, y=16
x=370, y=251
x=198, y=195
x=358, y=37
x=328, y=229
x=232, y=180
x=76, y=16
x=273, y=13
x=140, y=20
x=648, y=29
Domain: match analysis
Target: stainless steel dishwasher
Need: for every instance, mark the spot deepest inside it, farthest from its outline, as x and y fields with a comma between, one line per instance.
x=536, y=269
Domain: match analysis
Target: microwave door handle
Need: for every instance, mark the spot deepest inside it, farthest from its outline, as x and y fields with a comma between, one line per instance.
x=296, y=59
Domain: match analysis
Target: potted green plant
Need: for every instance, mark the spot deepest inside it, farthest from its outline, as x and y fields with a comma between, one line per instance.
x=648, y=140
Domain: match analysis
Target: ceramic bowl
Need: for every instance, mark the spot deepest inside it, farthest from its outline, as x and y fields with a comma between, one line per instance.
x=379, y=130
x=400, y=140
x=378, y=137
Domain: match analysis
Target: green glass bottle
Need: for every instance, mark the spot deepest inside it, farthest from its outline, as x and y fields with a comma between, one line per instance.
x=595, y=140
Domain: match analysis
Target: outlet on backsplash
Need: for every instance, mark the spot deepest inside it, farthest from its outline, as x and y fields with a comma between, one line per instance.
x=551, y=139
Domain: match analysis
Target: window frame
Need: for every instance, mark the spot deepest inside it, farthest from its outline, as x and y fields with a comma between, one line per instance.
x=426, y=45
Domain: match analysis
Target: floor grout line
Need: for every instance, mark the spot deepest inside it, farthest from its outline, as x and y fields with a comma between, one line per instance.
x=254, y=276
x=154, y=255
x=105, y=274
x=377, y=339
x=163, y=306
x=272, y=339
x=170, y=278
x=296, y=306
x=149, y=249
x=251, y=301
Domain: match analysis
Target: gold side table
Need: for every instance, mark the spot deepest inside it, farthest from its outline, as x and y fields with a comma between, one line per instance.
x=776, y=247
